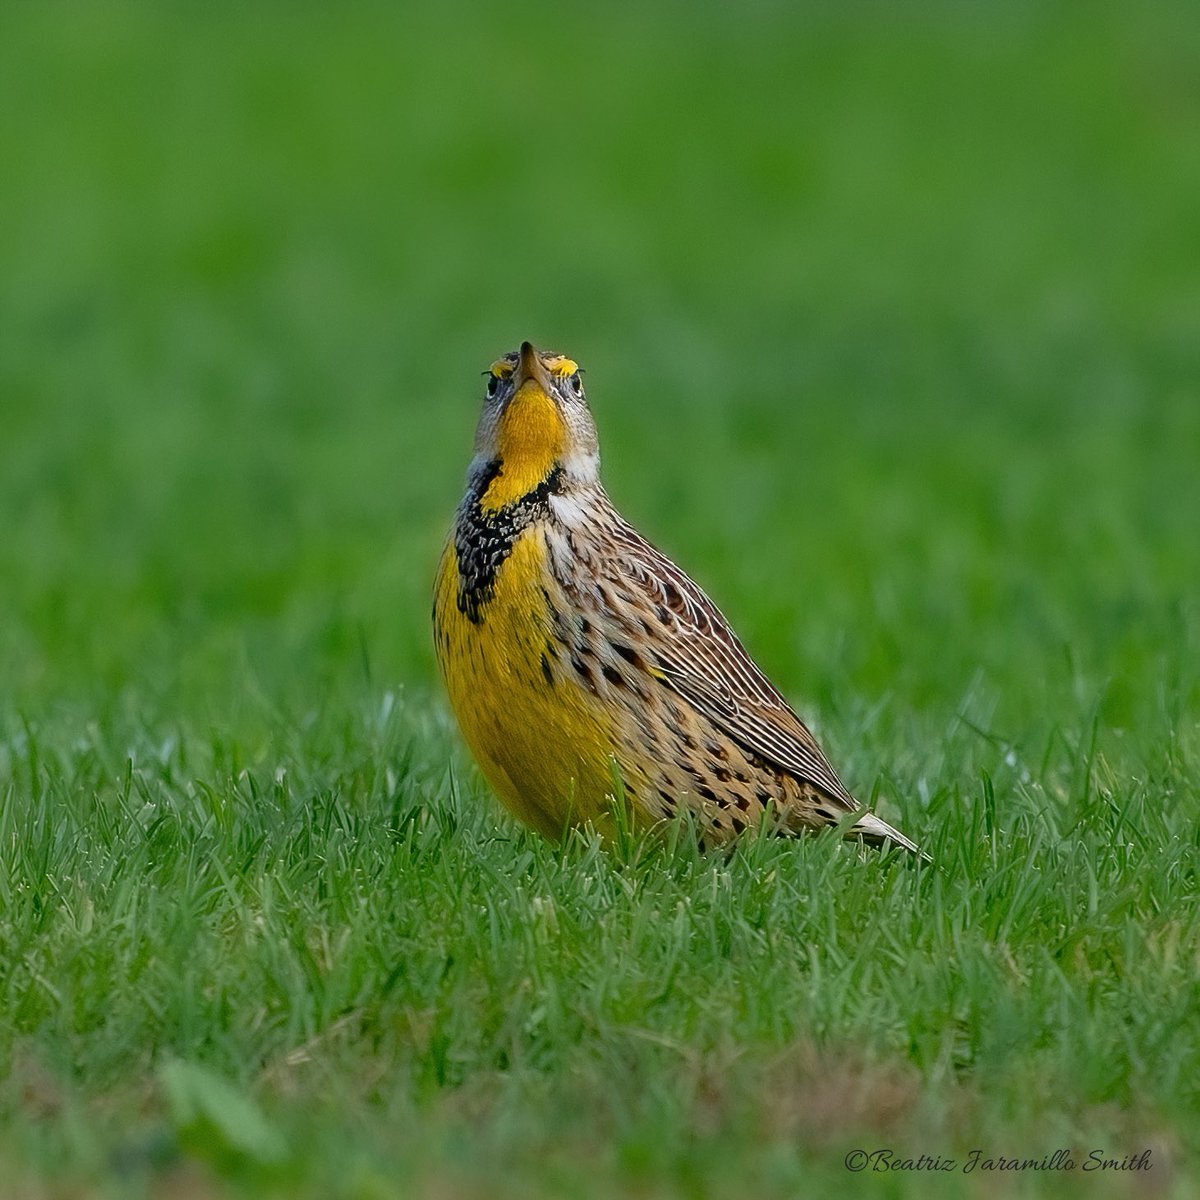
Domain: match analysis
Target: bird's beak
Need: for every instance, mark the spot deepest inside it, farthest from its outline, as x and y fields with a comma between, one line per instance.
x=529, y=368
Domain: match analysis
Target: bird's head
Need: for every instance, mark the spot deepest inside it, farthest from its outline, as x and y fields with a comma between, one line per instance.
x=535, y=422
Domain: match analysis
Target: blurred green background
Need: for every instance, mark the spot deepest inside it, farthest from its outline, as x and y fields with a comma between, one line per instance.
x=890, y=315
x=891, y=318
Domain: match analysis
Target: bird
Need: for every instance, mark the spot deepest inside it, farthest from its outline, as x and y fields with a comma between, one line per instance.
x=586, y=670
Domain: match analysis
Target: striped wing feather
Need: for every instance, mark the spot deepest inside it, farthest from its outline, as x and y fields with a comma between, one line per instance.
x=706, y=664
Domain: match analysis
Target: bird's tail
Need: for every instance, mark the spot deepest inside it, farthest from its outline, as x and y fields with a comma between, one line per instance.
x=875, y=832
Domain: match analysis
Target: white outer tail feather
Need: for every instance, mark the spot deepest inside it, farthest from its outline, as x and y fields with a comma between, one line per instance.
x=870, y=826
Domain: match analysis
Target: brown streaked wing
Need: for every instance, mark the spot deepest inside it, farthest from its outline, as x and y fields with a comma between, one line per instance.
x=702, y=659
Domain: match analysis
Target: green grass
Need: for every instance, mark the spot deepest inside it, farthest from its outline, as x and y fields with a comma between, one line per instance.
x=891, y=323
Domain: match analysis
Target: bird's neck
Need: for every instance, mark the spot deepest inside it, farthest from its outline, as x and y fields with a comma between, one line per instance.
x=530, y=440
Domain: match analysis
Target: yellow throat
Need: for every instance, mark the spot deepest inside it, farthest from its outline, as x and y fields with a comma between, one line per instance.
x=530, y=439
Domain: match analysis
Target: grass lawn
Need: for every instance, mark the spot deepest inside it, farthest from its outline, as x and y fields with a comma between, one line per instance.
x=892, y=328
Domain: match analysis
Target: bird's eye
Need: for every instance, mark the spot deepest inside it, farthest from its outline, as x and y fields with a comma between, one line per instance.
x=493, y=386
x=576, y=384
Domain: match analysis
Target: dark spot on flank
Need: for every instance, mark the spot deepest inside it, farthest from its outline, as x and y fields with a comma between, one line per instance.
x=662, y=614
x=738, y=825
x=613, y=675
x=668, y=800
x=549, y=674
x=723, y=774
x=628, y=653
x=689, y=741
x=763, y=797
x=585, y=626
x=550, y=652
x=585, y=673
x=717, y=750
x=707, y=792
x=742, y=801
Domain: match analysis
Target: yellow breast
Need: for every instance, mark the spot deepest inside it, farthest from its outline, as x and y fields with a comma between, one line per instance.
x=541, y=739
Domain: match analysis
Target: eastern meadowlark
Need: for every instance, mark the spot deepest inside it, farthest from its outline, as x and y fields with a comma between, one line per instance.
x=582, y=662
